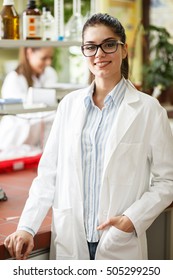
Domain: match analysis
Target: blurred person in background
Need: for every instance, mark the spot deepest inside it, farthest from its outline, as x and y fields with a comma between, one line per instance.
x=34, y=70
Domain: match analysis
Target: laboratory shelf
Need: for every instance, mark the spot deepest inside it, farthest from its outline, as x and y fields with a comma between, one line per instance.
x=36, y=43
x=34, y=108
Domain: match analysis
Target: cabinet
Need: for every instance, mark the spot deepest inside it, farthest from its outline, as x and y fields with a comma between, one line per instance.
x=159, y=235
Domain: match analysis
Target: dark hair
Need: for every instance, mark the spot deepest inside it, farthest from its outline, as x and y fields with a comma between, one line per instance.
x=24, y=67
x=116, y=27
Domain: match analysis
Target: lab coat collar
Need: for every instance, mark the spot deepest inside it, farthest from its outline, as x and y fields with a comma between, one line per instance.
x=131, y=94
x=116, y=94
x=127, y=113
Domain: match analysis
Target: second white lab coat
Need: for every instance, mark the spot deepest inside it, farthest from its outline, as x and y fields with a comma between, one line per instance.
x=28, y=129
x=15, y=85
x=140, y=141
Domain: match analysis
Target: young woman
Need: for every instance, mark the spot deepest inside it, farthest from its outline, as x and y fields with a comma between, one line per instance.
x=107, y=169
x=34, y=70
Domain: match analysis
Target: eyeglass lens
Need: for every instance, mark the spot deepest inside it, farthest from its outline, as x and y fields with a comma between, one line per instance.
x=107, y=47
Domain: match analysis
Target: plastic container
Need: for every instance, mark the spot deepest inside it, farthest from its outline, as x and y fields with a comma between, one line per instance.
x=19, y=163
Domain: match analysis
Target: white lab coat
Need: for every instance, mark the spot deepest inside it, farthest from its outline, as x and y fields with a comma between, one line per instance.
x=27, y=128
x=16, y=86
x=140, y=141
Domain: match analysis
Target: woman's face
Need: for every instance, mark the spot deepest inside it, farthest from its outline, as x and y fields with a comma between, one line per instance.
x=39, y=59
x=102, y=65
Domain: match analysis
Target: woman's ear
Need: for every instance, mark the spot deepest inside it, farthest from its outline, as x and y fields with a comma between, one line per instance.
x=124, y=50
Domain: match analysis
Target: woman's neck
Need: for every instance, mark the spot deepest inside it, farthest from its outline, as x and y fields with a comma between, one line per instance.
x=102, y=88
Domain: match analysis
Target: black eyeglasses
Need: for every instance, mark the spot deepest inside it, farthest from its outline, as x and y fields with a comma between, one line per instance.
x=107, y=47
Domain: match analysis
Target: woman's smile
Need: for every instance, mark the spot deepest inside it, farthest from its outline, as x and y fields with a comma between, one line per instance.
x=102, y=64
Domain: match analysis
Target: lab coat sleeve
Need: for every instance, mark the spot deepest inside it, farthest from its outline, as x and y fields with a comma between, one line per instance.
x=14, y=86
x=160, y=193
x=42, y=190
x=49, y=77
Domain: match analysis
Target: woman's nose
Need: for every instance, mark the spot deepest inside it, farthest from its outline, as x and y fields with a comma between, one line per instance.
x=100, y=52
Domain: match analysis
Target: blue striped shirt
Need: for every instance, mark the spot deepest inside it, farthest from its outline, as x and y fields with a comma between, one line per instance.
x=95, y=133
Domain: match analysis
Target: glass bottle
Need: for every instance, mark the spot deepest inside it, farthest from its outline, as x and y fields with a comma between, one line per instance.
x=48, y=23
x=32, y=28
x=73, y=28
x=9, y=21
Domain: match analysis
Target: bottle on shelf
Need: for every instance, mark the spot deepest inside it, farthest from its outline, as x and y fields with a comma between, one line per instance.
x=32, y=25
x=9, y=21
x=73, y=28
x=48, y=23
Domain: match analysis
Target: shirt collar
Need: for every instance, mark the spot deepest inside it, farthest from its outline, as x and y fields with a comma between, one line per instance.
x=88, y=101
x=116, y=94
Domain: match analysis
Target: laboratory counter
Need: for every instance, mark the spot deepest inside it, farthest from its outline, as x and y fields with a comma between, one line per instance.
x=16, y=186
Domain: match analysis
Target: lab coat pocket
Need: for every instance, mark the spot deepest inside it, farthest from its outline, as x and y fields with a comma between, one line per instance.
x=119, y=245
x=64, y=235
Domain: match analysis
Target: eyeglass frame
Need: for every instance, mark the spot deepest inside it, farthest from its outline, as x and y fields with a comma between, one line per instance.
x=118, y=42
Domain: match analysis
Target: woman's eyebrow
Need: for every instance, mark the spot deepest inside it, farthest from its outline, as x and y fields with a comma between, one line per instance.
x=105, y=40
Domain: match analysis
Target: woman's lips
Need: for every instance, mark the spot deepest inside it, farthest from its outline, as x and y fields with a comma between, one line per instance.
x=102, y=63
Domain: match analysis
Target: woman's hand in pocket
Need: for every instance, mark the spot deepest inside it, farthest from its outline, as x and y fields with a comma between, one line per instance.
x=121, y=222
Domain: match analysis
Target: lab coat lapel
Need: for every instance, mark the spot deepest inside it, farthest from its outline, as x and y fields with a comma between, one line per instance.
x=125, y=117
x=79, y=122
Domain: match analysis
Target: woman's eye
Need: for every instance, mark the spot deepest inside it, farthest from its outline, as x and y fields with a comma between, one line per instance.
x=110, y=45
x=90, y=47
